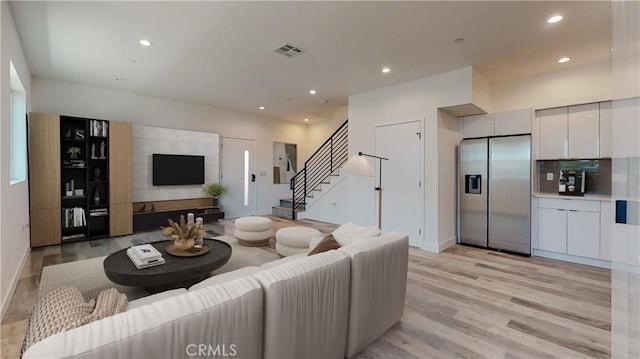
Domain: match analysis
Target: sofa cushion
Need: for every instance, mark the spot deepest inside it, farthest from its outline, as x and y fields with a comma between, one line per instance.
x=280, y=261
x=225, y=314
x=378, y=285
x=350, y=233
x=306, y=305
x=155, y=298
x=326, y=244
x=225, y=277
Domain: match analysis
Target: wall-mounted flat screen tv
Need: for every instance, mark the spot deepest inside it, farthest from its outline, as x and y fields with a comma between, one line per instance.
x=171, y=170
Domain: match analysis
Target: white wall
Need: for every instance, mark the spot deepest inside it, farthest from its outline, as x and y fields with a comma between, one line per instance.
x=14, y=199
x=150, y=140
x=578, y=85
x=51, y=96
x=417, y=100
x=318, y=132
x=448, y=140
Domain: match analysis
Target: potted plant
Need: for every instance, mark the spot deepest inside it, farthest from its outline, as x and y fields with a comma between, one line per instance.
x=215, y=190
x=74, y=151
x=183, y=236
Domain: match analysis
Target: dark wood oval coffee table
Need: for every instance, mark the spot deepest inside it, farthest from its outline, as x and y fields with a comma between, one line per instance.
x=175, y=273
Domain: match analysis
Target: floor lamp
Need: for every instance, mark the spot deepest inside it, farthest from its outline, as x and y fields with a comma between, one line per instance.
x=360, y=166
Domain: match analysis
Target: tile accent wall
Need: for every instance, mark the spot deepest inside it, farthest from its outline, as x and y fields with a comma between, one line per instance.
x=598, y=173
x=150, y=140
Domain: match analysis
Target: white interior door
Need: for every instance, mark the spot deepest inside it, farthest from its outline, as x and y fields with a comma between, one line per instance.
x=238, y=174
x=401, y=179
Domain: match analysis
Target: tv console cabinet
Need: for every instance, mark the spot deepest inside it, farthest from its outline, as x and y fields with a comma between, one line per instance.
x=153, y=215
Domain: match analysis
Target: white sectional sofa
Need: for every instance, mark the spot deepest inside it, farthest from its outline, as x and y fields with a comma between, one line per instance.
x=329, y=305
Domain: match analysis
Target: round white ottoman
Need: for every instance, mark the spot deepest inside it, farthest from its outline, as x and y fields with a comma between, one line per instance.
x=294, y=240
x=253, y=231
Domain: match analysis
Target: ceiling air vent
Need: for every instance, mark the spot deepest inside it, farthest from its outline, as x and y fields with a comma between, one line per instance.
x=289, y=50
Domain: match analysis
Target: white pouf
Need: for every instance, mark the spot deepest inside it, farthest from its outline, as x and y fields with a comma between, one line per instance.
x=294, y=240
x=253, y=231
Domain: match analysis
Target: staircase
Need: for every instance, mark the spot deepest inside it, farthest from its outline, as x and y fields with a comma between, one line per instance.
x=318, y=170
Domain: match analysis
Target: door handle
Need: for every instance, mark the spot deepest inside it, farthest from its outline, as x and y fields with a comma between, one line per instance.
x=253, y=177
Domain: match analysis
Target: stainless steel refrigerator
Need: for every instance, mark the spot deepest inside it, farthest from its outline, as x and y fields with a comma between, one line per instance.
x=495, y=193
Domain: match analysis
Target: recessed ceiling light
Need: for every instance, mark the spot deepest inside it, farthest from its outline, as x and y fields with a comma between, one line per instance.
x=554, y=19
x=564, y=59
x=386, y=70
x=120, y=79
x=261, y=107
x=313, y=92
x=146, y=42
x=306, y=120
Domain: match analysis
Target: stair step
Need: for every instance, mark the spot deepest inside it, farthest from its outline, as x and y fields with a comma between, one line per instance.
x=287, y=202
x=284, y=212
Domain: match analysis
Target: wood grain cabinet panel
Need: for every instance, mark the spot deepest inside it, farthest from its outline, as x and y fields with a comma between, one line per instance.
x=45, y=226
x=121, y=219
x=44, y=161
x=120, y=178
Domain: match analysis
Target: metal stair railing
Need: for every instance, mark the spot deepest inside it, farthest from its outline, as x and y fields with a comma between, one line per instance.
x=321, y=165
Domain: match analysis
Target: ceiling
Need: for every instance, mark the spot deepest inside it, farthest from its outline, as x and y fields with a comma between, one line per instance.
x=221, y=53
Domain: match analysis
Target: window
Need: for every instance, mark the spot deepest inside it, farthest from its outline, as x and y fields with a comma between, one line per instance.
x=18, y=125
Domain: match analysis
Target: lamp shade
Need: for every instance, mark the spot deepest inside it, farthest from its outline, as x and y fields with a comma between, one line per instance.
x=358, y=165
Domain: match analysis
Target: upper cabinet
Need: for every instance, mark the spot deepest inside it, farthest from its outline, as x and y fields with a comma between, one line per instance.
x=497, y=124
x=553, y=133
x=625, y=128
x=582, y=131
x=477, y=126
x=516, y=122
x=605, y=129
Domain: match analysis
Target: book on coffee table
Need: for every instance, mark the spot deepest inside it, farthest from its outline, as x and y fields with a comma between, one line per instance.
x=139, y=263
x=146, y=252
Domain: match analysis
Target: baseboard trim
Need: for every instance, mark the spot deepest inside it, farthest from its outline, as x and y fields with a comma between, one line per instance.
x=448, y=243
x=574, y=259
x=14, y=283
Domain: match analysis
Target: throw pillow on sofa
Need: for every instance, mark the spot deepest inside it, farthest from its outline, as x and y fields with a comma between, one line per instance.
x=64, y=308
x=349, y=233
x=326, y=244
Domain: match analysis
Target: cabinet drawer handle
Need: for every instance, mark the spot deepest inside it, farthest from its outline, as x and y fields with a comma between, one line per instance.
x=573, y=210
x=559, y=209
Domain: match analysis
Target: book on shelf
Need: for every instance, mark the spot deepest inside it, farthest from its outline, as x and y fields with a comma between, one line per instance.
x=74, y=163
x=74, y=217
x=73, y=236
x=99, y=128
x=98, y=212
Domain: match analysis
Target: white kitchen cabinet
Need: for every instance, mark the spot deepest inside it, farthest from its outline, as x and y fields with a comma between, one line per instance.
x=477, y=126
x=553, y=133
x=606, y=222
x=584, y=131
x=516, y=122
x=625, y=128
x=569, y=226
x=552, y=230
x=583, y=233
x=605, y=129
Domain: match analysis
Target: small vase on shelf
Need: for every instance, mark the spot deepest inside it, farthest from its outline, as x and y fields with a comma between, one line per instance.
x=96, y=197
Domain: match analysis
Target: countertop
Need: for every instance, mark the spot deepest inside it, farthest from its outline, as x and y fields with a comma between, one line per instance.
x=587, y=197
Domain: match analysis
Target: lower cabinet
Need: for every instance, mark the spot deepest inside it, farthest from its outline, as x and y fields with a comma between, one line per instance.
x=569, y=227
x=583, y=233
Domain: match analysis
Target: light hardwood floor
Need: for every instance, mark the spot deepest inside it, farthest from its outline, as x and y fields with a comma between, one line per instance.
x=462, y=303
